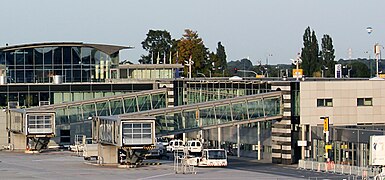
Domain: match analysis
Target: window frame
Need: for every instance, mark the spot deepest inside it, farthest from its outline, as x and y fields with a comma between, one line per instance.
x=364, y=100
x=324, y=102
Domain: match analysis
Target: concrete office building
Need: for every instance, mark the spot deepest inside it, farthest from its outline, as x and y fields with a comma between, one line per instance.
x=356, y=110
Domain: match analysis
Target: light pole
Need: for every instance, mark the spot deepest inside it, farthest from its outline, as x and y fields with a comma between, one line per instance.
x=322, y=70
x=189, y=63
x=369, y=30
x=377, y=52
x=267, y=58
x=297, y=61
x=370, y=62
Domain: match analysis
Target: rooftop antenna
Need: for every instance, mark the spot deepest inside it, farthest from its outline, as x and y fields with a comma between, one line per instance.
x=350, y=53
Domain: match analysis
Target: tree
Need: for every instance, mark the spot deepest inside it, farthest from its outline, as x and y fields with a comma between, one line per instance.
x=157, y=42
x=221, y=61
x=243, y=64
x=359, y=69
x=327, y=56
x=310, y=52
x=191, y=46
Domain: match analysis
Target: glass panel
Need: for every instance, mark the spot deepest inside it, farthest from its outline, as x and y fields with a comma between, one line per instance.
x=239, y=111
x=320, y=102
x=19, y=57
x=272, y=107
x=329, y=102
x=61, y=117
x=9, y=56
x=57, y=57
x=48, y=55
x=360, y=101
x=191, y=118
x=85, y=64
x=159, y=101
x=38, y=56
x=255, y=109
x=3, y=99
x=67, y=55
x=29, y=75
x=20, y=76
x=223, y=114
x=103, y=109
x=89, y=110
x=74, y=114
x=2, y=58
x=116, y=107
x=207, y=116
x=368, y=102
x=76, y=55
x=144, y=103
x=130, y=105
x=176, y=120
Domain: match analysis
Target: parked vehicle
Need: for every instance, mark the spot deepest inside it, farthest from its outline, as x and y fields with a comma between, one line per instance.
x=175, y=145
x=194, y=146
x=158, y=152
x=210, y=157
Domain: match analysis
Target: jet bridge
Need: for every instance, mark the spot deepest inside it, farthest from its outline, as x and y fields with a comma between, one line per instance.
x=123, y=140
x=30, y=129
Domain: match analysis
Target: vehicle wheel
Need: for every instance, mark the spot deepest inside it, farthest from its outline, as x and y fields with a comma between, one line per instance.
x=87, y=158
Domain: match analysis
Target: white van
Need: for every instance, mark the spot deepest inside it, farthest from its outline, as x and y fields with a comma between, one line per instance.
x=194, y=146
x=175, y=145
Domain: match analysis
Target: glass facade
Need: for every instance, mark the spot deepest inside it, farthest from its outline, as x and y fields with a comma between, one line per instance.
x=41, y=64
x=217, y=114
x=198, y=92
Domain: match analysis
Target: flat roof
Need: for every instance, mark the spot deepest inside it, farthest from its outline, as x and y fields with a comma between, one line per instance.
x=108, y=49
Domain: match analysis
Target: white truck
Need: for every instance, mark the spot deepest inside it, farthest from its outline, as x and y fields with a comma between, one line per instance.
x=194, y=146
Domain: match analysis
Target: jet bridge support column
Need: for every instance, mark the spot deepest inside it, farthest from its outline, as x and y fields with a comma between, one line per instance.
x=18, y=142
x=219, y=138
x=108, y=154
x=238, y=142
x=259, y=140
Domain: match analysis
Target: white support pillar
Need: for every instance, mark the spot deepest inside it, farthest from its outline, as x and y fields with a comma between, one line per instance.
x=238, y=142
x=303, y=139
x=219, y=138
x=259, y=140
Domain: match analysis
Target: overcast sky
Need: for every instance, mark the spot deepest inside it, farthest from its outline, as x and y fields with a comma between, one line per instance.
x=247, y=28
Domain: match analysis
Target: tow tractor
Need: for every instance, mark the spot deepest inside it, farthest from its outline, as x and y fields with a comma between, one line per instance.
x=210, y=157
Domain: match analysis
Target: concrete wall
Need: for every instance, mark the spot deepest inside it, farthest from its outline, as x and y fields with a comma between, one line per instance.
x=3, y=131
x=344, y=94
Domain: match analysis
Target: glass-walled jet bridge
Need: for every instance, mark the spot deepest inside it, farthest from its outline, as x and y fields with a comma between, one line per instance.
x=76, y=117
x=73, y=118
x=214, y=114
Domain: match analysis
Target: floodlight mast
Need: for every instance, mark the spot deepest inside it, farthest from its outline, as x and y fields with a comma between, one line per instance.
x=297, y=61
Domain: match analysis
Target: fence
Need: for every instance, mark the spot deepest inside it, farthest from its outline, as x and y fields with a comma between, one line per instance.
x=339, y=168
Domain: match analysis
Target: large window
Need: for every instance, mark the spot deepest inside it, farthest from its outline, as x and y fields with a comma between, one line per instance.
x=364, y=101
x=325, y=102
x=40, y=64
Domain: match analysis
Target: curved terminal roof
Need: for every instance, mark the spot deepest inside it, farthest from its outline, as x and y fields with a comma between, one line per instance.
x=108, y=49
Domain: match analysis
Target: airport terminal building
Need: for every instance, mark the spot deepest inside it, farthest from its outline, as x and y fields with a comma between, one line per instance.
x=73, y=78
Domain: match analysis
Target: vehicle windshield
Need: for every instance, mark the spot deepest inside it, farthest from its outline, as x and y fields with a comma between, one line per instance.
x=217, y=154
